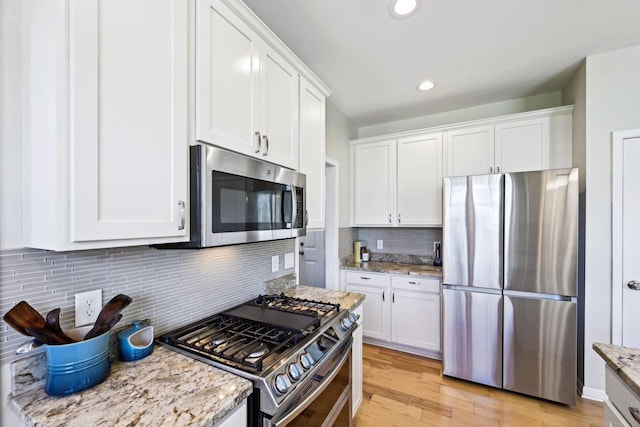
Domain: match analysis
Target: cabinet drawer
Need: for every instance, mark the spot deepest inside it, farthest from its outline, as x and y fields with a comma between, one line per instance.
x=416, y=283
x=367, y=278
x=622, y=397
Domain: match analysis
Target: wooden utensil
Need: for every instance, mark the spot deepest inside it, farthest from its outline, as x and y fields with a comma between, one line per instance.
x=46, y=336
x=108, y=312
x=23, y=316
x=53, y=324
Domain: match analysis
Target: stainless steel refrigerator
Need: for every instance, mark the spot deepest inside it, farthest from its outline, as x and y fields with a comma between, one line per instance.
x=509, y=278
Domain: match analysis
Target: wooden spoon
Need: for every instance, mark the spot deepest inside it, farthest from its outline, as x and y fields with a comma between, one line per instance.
x=46, y=336
x=23, y=316
x=108, y=312
x=53, y=324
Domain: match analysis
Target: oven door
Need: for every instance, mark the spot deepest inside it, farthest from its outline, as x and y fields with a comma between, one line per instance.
x=326, y=400
x=246, y=200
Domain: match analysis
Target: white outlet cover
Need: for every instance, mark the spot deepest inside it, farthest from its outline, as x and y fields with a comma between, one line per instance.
x=380, y=244
x=88, y=305
x=288, y=260
x=275, y=263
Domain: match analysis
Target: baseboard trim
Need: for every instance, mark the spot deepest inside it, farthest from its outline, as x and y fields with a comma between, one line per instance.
x=594, y=394
x=404, y=348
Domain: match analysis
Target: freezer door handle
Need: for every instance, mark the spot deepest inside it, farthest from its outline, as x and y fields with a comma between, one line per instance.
x=634, y=285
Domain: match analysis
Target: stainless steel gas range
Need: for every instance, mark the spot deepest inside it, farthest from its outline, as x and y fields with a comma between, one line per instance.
x=295, y=351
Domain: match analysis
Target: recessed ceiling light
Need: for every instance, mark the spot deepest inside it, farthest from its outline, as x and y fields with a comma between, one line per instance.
x=403, y=8
x=426, y=85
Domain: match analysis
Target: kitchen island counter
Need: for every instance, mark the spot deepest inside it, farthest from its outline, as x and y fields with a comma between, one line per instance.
x=625, y=361
x=166, y=388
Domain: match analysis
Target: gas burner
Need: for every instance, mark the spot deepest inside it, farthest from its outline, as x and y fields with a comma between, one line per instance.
x=255, y=353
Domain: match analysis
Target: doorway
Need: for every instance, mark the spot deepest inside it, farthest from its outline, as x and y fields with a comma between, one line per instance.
x=626, y=238
x=318, y=261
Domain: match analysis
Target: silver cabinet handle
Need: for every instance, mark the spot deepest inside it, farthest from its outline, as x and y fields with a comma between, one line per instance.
x=490, y=169
x=383, y=296
x=393, y=297
x=266, y=145
x=497, y=169
x=301, y=252
x=365, y=278
x=635, y=413
x=389, y=218
x=182, y=218
x=634, y=284
x=399, y=221
x=259, y=142
x=413, y=283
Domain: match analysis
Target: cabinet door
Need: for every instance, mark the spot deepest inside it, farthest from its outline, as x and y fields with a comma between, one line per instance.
x=312, y=151
x=279, y=111
x=420, y=180
x=375, y=310
x=522, y=145
x=415, y=319
x=128, y=128
x=470, y=151
x=227, y=79
x=374, y=169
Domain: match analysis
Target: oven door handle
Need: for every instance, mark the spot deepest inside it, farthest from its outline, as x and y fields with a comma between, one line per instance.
x=325, y=381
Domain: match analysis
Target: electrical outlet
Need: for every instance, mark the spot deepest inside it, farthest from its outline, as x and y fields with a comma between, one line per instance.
x=288, y=260
x=434, y=246
x=379, y=244
x=88, y=305
x=275, y=263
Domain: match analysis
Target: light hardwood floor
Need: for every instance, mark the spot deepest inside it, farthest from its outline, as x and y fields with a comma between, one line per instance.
x=401, y=389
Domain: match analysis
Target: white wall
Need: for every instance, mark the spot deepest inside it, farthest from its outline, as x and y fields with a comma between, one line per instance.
x=575, y=93
x=519, y=105
x=612, y=103
x=339, y=130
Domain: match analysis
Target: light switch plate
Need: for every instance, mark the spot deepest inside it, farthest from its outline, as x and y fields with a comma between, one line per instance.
x=380, y=244
x=275, y=263
x=88, y=305
x=288, y=260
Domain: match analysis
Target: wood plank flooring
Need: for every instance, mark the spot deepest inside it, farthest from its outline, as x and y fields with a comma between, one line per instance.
x=402, y=389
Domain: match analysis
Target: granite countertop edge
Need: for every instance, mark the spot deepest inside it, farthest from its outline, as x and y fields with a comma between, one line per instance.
x=147, y=392
x=348, y=300
x=395, y=268
x=625, y=361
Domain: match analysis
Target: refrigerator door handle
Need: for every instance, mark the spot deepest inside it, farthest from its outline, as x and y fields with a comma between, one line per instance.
x=533, y=295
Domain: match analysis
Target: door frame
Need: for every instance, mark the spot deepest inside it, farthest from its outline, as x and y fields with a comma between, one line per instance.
x=331, y=259
x=617, y=139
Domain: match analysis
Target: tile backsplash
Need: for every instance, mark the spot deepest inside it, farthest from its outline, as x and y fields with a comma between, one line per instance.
x=405, y=241
x=169, y=287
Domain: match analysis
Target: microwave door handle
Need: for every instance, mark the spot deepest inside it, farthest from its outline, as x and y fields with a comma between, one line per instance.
x=294, y=210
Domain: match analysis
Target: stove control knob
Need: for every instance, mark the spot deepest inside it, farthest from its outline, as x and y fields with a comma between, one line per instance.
x=281, y=384
x=306, y=361
x=346, y=323
x=353, y=317
x=294, y=370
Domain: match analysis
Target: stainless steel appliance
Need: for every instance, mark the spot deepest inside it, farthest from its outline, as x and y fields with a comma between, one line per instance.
x=293, y=350
x=510, y=289
x=237, y=199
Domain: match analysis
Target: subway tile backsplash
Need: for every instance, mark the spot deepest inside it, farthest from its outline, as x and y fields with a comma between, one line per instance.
x=400, y=240
x=170, y=287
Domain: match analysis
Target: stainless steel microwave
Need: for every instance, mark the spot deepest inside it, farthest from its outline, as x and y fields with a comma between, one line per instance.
x=237, y=199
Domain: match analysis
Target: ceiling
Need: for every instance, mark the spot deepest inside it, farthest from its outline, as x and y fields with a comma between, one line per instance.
x=477, y=52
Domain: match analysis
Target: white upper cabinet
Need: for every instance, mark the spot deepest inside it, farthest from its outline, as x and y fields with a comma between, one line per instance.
x=247, y=93
x=419, y=185
x=374, y=180
x=470, y=151
x=105, y=123
x=312, y=151
x=522, y=145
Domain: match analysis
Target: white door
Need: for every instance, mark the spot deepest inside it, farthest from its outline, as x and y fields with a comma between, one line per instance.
x=522, y=145
x=312, y=259
x=409, y=309
x=374, y=183
x=630, y=242
x=375, y=310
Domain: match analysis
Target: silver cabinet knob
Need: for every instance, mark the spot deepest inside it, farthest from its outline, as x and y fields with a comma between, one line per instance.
x=634, y=284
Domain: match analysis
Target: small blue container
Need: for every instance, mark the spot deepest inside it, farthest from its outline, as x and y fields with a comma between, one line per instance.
x=136, y=342
x=75, y=367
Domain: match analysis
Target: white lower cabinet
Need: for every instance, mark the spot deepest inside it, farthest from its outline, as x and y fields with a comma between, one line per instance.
x=237, y=418
x=401, y=312
x=622, y=408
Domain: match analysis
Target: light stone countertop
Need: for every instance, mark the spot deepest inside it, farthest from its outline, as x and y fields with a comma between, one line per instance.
x=624, y=361
x=395, y=268
x=165, y=388
x=348, y=300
